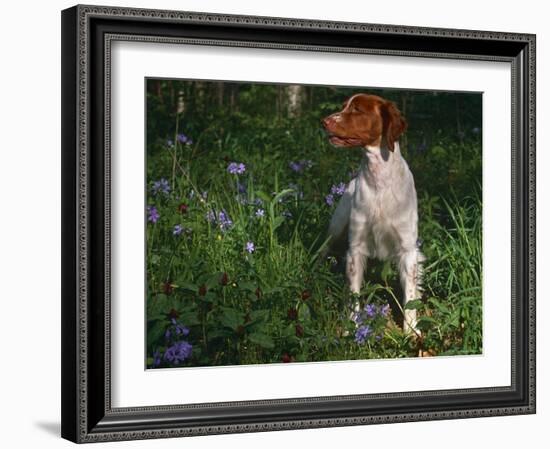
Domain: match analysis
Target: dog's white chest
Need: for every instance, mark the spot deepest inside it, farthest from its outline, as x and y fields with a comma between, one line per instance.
x=376, y=174
x=371, y=210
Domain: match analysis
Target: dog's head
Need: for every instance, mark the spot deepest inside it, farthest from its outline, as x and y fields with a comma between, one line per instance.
x=365, y=120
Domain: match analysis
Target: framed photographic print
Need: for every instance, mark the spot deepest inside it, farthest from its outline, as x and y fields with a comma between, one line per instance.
x=283, y=223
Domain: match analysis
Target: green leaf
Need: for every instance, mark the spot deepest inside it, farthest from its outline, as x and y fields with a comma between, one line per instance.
x=190, y=318
x=209, y=297
x=247, y=286
x=155, y=316
x=219, y=333
x=259, y=315
x=387, y=271
x=278, y=221
x=187, y=286
x=155, y=331
x=232, y=318
x=161, y=297
x=427, y=319
x=415, y=304
x=443, y=308
x=263, y=196
x=214, y=280
x=263, y=340
x=289, y=331
x=425, y=323
x=258, y=319
x=281, y=194
x=159, y=305
x=304, y=313
x=455, y=320
x=274, y=290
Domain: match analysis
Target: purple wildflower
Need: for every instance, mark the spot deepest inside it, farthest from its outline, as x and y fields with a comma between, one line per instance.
x=221, y=219
x=385, y=310
x=250, y=248
x=180, y=328
x=260, y=213
x=295, y=166
x=156, y=359
x=161, y=186
x=357, y=318
x=236, y=168
x=335, y=191
x=370, y=310
x=338, y=189
x=224, y=221
x=178, y=229
x=178, y=352
x=168, y=334
x=183, y=139
x=170, y=143
x=211, y=217
x=153, y=214
x=362, y=333
x=300, y=166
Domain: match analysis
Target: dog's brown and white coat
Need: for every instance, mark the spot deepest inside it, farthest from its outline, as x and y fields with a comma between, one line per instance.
x=377, y=214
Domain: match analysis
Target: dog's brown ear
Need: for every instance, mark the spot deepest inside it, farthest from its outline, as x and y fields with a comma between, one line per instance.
x=393, y=123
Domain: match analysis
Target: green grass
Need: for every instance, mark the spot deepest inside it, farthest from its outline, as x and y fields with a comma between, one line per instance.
x=279, y=303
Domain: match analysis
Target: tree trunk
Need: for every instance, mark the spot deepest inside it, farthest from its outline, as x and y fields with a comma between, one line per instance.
x=294, y=97
x=220, y=94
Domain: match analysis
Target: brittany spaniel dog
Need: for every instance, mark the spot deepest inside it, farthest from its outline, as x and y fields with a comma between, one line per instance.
x=377, y=216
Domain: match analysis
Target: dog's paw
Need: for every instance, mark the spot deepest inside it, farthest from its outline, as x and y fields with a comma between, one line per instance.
x=355, y=317
x=409, y=324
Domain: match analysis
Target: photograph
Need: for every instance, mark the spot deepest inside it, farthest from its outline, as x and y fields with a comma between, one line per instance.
x=278, y=222
x=292, y=223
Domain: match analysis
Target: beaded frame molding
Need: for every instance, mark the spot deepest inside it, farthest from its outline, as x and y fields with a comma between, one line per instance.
x=87, y=34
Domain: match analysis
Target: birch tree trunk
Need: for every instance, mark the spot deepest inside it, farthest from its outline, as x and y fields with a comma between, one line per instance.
x=294, y=98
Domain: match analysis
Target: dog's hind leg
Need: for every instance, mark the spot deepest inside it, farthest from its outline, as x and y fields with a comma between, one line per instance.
x=410, y=271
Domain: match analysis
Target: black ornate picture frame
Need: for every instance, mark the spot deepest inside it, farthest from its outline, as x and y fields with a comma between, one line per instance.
x=87, y=34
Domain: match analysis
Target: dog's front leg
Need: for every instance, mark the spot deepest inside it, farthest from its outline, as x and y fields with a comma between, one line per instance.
x=356, y=258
